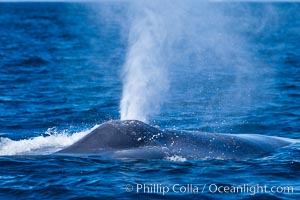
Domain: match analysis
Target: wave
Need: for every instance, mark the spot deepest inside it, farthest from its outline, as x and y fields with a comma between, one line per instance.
x=40, y=145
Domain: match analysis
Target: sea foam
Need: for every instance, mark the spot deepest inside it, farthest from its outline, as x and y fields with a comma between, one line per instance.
x=40, y=145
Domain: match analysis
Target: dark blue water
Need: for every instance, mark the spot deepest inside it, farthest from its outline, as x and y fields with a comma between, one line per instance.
x=60, y=75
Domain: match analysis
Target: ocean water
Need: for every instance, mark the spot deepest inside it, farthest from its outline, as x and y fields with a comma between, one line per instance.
x=62, y=74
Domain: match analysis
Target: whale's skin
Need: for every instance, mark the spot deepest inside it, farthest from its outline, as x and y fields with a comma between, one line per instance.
x=135, y=139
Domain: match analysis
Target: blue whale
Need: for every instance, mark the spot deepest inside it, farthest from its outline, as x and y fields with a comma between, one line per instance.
x=138, y=140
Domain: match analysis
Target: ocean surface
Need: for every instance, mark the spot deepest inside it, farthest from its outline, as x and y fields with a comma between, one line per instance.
x=61, y=74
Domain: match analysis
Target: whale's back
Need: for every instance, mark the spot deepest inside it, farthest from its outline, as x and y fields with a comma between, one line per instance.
x=135, y=139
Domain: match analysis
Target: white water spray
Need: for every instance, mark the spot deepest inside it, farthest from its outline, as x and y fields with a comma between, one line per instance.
x=145, y=74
